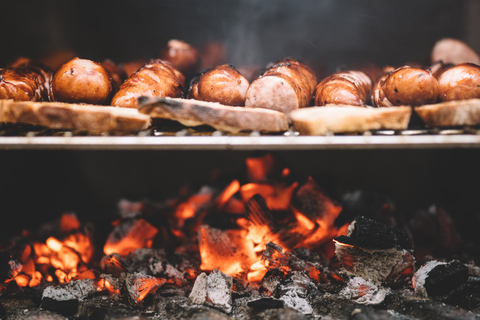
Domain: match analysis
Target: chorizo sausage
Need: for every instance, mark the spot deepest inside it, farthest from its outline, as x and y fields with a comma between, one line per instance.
x=82, y=81
x=348, y=87
x=460, y=82
x=222, y=84
x=158, y=78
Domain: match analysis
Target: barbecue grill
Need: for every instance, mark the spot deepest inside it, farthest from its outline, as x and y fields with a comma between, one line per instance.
x=46, y=172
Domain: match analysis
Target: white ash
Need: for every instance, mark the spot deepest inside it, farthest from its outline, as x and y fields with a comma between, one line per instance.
x=364, y=291
x=294, y=292
x=156, y=266
x=174, y=273
x=376, y=265
x=214, y=289
x=78, y=289
x=422, y=274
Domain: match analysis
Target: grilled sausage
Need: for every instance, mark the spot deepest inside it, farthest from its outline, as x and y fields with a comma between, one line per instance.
x=222, y=84
x=158, y=78
x=284, y=86
x=406, y=86
x=116, y=71
x=82, y=81
x=349, y=87
x=453, y=51
x=183, y=56
x=460, y=82
x=25, y=80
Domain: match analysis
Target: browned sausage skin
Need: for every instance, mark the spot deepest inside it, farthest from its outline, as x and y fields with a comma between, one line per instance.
x=222, y=84
x=116, y=71
x=158, y=78
x=25, y=80
x=406, y=86
x=283, y=87
x=82, y=81
x=349, y=88
x=183, y=56
x=460, y=82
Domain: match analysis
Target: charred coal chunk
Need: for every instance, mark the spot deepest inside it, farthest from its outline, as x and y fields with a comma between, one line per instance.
x=311, y=200
x=444, y=278
x=266, y=303
x=369, y=233
x=439, y=278
x=10, y=265
x=64, y=307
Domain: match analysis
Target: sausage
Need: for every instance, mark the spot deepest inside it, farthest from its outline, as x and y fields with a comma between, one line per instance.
x=460, y=82
x=453, y=51
x=158, y=78
x=183, y=56
x=82, y=81
x=406, y=86
x=25, y=80
x=222, y=84
x=349, y=87
x=116, y=71
x=131, y=67
x=285, y=86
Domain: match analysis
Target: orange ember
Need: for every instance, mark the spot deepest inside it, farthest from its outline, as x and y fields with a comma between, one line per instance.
x=129, y=236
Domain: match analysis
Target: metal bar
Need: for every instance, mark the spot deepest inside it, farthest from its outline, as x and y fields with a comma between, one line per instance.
x=241, y=142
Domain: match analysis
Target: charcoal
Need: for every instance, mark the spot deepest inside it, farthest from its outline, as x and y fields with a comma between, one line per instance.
x=375, y=252
x=214, y=289
x=371, y=234
x=74, y=290
x=124, y=315
x=64, y=307
x=279, y=314
x=10, y=265
x=266, y=303
x=295, y=290
x=363, y=291
x=413, y=306
x=438, y=278
x=140, y=285
x=313, y=202
x=36, y=315
x=3, y=312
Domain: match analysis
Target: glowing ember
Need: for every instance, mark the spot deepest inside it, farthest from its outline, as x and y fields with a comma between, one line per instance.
x=129, y=236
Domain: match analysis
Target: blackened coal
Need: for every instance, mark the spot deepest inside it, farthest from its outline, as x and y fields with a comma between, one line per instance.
x=266, y=303
x=445, y=277
x=368, y=233
x=64, y=307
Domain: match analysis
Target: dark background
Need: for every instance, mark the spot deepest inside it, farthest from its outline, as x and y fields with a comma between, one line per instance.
x=326, y=34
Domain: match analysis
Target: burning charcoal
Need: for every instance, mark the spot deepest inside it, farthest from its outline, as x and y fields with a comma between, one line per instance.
x=146, y=261
x=363, y=291
x=375, y=252
x=294, y=291
x=112, y=264
x=439, y=278
x=130, y=235
x=228, y=250
x=312, y=201
x=214, y=289
x=266, y=303
x=139, y=285
x=10, y=266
